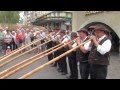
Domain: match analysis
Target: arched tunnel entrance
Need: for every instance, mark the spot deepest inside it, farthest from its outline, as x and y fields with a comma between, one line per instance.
x=115, y=38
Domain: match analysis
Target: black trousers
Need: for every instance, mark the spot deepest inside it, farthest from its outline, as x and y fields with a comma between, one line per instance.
x=14, y=45
x=73, y=67
x=50, y=57
x=49, y=45
x=62, y=61
x=84, y=70
x=32, y=39
x=98, y=71
x=2, y=44
x=56, y=53
x=63, y=64
x=10, y=44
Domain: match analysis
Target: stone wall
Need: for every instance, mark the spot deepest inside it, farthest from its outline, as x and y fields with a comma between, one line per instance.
x=110, y=18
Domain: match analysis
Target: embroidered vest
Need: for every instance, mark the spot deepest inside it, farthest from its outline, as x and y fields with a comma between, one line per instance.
x=96, y=58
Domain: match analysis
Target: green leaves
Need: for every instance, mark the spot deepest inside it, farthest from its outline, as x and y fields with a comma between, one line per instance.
x=9, y=17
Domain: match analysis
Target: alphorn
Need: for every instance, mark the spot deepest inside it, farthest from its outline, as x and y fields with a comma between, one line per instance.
x=24, y=46
x=8, y=61
x=21, y=48
x=3, y=64
x=15, y=50
x=32, y=61
x=53, y=60
x=29, y=59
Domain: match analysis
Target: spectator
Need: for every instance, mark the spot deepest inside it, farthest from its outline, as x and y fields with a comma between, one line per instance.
x=28, y=38
x=1, y=40
x=8, y=50
x=8, y=39
x=14, y=40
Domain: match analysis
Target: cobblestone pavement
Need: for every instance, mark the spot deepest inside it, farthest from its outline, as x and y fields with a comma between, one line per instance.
x=114, y=67
x=50, y=72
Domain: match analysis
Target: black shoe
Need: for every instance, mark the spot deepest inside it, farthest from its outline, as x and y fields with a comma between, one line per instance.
x=60, y=71
x=69, y=77
x=54, y=65
x=64, y=73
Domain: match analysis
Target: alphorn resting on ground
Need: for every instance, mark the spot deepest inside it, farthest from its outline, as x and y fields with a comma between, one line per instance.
x=50, y=62
x=20, y=49
x=21, y=67
x=31, y=60
x=8, y=61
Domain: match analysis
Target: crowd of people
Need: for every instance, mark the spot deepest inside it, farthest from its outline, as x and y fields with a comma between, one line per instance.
x=11, y=40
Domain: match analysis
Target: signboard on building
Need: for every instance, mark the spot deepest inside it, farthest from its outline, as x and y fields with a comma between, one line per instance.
x=92, y=12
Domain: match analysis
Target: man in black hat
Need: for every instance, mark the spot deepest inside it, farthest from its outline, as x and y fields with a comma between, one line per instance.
x=55, y=42
x=99, y=54
x=50, y=45
x=62, y=62
x=83, y=53
x=72, y=58
x=91, y=30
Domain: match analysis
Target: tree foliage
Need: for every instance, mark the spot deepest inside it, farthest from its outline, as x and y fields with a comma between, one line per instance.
x=9, y=17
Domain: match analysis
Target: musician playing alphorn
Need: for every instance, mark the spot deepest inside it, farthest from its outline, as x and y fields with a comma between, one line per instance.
x=99, y=54
x=62, y=62
x=72, y=58
x=50, y=44
x=83, y=53
x=55, y=42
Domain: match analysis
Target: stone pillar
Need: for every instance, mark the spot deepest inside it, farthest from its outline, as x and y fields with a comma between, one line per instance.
x=52, y=25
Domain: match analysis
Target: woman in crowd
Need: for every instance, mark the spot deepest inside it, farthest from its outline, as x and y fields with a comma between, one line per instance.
x=8, y=39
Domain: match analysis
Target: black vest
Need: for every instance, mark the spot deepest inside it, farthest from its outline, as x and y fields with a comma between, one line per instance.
x=82, y=57
x=96, y=58
x=64, y=49
x=73, y=53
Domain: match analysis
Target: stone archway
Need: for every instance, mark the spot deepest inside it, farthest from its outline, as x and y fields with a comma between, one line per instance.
x=115, y=38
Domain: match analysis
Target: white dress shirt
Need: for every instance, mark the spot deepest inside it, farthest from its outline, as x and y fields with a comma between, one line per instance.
x=55, y=37
x=105, y=47
x=74, y=45
x=86, y=45
x=69, y=35
x=65, y=38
